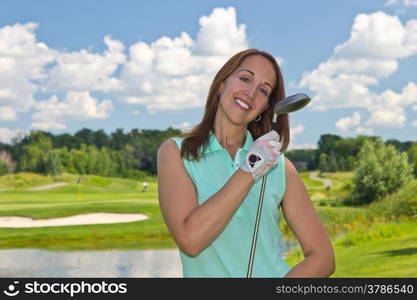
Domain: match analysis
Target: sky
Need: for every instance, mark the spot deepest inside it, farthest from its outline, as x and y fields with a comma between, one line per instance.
x=99, y=64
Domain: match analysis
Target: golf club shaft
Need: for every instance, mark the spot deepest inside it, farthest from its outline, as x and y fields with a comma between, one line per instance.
x=258, y=215
x=256, y=228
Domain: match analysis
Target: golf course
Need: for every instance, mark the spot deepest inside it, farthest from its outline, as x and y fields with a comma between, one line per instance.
x=378, y=240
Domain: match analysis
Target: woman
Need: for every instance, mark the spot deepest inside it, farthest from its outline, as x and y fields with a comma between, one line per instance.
x=208, y=181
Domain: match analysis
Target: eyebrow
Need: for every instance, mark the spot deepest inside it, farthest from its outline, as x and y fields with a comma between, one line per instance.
x=267, y=83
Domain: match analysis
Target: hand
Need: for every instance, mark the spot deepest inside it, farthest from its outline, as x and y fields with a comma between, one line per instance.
x=262, y=155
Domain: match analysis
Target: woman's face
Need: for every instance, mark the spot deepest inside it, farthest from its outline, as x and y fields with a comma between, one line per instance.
x=245, y=93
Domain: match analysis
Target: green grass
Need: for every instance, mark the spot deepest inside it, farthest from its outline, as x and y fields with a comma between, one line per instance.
x=341, y=186
x=311, y=184
x=376, y=240
x=21, y=181
x=384, y=249
x=403, y=202
x=95, y=194
x=25, y=180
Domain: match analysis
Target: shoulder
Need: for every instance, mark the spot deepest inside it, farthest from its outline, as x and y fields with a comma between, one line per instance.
x=168, y=148
x=289, y=167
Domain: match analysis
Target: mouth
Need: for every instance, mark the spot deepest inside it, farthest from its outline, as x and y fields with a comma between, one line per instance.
x=242, y=104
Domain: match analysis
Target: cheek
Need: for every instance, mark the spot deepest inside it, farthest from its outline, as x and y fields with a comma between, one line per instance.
x=262, y=105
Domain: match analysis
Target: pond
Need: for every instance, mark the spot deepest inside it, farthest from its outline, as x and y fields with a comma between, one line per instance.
x=94, y=264
x=114, y=264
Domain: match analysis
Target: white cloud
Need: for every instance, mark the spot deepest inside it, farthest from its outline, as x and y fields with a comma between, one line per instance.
x=184, y=126
x=293, y=146
x=87, y=71
x=346, y=123
x=389, y=107
x=364, y=131
x=410, y=2
x=296, y=130
x=7, y=114
x=175, y=73
x=76, y=106
x=376, y=44
x=22, y=62
x=219, y=34
x=383, y=117
x=404, y=2
x=7, y=135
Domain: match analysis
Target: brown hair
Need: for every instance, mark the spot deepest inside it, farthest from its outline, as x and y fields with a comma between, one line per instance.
x=196, y=140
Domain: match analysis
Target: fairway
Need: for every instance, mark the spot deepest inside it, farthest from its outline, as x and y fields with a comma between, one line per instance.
x=385, y=258
x=95, y=194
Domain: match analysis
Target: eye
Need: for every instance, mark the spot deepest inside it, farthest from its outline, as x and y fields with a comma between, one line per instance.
x=264, y=91
x=244, y=79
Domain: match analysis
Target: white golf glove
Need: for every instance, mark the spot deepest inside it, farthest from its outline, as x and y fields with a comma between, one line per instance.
x=262, y=155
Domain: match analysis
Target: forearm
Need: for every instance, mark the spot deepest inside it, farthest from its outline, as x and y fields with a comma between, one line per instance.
x=208, y=220
x=319, y=265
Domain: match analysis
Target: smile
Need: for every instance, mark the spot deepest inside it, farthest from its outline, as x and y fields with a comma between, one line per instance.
x=242, y=104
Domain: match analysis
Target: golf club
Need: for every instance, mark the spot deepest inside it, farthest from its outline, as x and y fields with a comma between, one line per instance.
x=289, y=104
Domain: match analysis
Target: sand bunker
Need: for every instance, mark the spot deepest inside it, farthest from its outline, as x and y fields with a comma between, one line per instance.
x=84, y=219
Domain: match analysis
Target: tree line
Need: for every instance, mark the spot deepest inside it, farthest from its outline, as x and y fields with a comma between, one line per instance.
x=120, y=154
x=380, y=167
x=337, y=154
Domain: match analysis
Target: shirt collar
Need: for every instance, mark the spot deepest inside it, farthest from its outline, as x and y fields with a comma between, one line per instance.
x=214, y=145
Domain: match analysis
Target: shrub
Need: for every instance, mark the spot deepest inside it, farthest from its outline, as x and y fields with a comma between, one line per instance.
x=381, y=171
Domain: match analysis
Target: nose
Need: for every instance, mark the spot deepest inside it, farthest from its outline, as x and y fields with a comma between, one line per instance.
x=250, y=91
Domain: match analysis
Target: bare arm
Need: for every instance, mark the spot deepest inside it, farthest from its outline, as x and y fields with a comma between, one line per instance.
x=304, y=222
x=195, y=226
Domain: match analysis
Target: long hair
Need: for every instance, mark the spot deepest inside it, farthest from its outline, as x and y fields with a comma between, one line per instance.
x=196, y=140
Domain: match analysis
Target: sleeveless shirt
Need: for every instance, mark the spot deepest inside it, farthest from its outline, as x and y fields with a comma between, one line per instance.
x=228, y=255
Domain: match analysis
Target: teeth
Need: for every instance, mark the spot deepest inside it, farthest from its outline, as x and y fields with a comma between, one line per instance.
x=241, y=103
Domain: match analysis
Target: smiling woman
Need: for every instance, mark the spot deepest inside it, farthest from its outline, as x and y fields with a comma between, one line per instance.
x=208, y=181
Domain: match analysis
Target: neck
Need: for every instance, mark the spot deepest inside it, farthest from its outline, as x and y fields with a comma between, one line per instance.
x=230, y=136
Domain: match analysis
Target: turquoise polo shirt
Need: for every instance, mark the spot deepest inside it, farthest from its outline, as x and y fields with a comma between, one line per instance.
x=228, y=254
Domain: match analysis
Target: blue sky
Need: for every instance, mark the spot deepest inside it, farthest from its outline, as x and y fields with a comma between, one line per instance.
x=148, y=64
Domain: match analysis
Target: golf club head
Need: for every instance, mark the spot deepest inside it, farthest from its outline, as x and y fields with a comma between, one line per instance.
x=291, y=104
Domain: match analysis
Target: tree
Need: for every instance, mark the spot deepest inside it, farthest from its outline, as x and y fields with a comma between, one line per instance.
x=381, y=171
x=323, y=165
x=101, y=139
x=4, y=168
x=327, y=143
x=303, y=156
x=332, y=163
x=86, y=136
x=35, y=152
x=79, y=160
x=119, y=139
x=53, y=165
x=405, y=146
x=412, y=154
